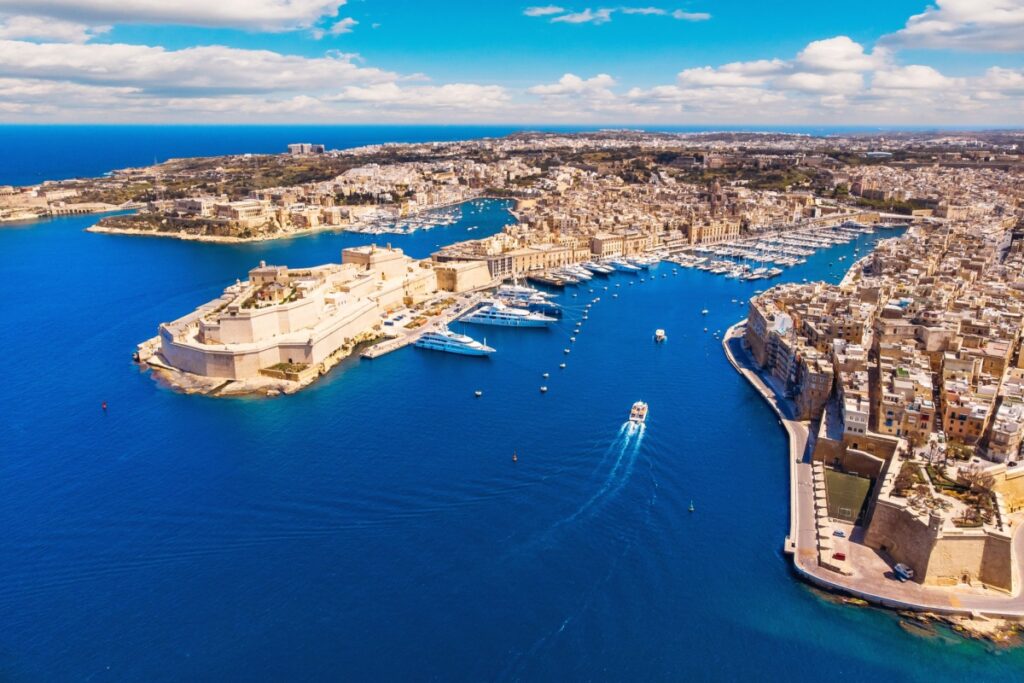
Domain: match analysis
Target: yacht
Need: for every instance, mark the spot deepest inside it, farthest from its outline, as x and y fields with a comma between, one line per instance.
x=446, y=340
x=497, y=313
x=520, y=292
x=623, y=266
x=638, y=413
x=599, y=268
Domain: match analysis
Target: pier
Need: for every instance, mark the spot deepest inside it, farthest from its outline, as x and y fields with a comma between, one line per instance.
x=404, y=337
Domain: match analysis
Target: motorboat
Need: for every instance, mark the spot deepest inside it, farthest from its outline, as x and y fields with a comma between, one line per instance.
x=659, y=335
x=638, y=413
x=497, y=313
x=451, y=342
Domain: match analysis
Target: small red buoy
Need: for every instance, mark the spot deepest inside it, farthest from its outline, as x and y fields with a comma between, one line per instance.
x=104, y=406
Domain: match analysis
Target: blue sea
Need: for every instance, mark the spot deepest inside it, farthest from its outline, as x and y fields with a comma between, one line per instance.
x=374, y=526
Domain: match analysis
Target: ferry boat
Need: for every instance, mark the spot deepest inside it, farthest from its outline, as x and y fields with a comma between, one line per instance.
x=451, y=342
x=659, y=335
x=638, y=413
x=497, y=313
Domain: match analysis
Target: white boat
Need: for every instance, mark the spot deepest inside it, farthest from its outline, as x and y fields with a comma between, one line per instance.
x=497, y=313
x=520, y=292
x=451, y=342
x=638, y=413
x=598, y=268
x=623, y=266
x=659, y=335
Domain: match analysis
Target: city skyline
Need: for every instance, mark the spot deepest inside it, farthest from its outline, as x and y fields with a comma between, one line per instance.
x=700, y=62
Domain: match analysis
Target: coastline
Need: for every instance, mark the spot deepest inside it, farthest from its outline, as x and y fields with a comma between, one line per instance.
x=997, y=621
x=228, y=239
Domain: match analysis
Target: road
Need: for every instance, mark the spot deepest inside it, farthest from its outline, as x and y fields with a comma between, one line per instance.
x=871, y=578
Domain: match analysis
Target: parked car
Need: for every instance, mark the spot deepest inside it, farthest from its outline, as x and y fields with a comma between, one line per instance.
x=839, y=556
x=839, y=533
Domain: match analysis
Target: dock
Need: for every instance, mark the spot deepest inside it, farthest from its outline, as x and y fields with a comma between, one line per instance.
x=404, y=337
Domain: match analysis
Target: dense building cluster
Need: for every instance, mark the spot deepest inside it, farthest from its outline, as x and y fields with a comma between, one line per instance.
x=913, y=365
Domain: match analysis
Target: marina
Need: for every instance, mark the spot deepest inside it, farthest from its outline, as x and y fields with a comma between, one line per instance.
x=388, y=516
x=766, y=257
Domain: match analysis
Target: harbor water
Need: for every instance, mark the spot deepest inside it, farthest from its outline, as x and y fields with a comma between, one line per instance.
x=375, y=526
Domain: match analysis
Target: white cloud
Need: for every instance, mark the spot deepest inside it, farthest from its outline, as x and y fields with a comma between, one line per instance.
x=645, y=11
x=1006, y=81
x=690, y=16
x=838, y=54
x=267, y=15
x=982, y=25
x=586, y=17
x=40, y=28
x=571, y=84
x=213, y=69
x=733, y=74
x=452, y=95
x=913, y=77
x=543, y=11
x=841, y=82
x=337, y=28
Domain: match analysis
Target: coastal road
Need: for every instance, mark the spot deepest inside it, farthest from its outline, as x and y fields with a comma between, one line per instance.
x=872, y=577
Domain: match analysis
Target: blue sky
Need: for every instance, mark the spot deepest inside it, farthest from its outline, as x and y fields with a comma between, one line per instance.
x=689, y=62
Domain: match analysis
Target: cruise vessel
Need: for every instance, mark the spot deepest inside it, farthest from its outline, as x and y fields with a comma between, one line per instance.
x=497, y=313
x=638, y=413
x=446, y=340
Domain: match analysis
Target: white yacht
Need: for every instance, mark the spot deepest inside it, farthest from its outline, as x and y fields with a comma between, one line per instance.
x=623, y=266
x=598, y=268
x=520, y=292
x=497, y=313
x=446, y=340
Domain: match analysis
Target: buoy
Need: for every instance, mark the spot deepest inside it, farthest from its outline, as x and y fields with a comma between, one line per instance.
x=572, y=339
x=545, y=375
x=515, y=458
x=104, y=406
x=478, y=393
x=562, y=366
x=543, y=390
x=567, y=350
x=691, y=506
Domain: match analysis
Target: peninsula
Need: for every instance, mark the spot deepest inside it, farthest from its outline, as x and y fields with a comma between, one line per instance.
x=902, y=391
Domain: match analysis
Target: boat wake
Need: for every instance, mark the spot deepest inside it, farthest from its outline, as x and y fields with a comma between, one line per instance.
x=624, y=448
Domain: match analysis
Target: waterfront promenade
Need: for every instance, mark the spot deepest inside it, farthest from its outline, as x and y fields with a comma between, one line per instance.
x=870, y=576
